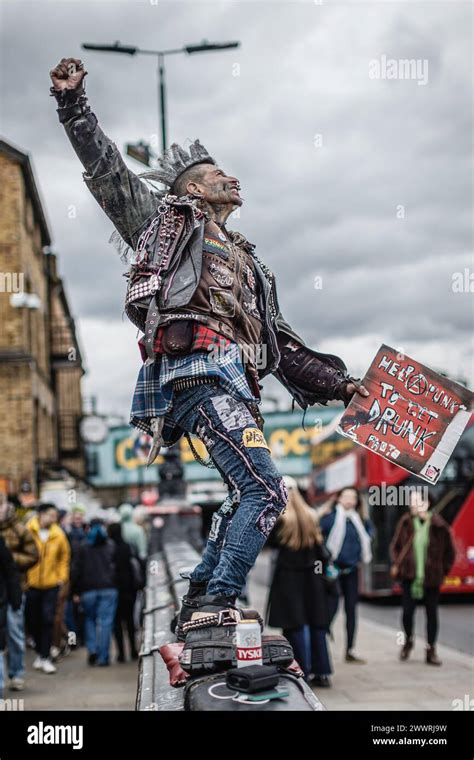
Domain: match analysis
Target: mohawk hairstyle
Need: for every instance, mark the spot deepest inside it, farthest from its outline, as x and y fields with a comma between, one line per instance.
x=172, y=166
x=175, y=161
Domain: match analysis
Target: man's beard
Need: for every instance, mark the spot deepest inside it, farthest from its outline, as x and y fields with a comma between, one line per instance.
x=223, y=196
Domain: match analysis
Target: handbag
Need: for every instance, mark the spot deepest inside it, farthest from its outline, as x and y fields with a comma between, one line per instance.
x=395, y=567
x=138, y=578
x=331, y=571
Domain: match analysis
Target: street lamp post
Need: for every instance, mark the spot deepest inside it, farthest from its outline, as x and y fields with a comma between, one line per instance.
x=160, y=54
x=161, y=78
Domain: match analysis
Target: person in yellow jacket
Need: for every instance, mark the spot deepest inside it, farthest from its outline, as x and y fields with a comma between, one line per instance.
x=45, y=580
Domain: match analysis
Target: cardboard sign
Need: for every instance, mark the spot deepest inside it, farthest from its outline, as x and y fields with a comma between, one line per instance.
x=413, y=416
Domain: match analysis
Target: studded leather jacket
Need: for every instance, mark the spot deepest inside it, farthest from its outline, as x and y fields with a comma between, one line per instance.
x=163, y=237
x=226, y=297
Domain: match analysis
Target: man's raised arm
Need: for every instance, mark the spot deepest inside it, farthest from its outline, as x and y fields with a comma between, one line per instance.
x=126, y=200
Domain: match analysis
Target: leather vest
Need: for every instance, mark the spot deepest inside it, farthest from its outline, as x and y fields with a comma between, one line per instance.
x=165, y=283
x=226, y=295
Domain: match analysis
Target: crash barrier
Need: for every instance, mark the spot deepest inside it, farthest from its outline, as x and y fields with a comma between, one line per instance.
x=163, y=592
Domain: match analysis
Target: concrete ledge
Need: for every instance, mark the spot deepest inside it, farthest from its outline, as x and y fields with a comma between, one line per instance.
x=154, y=692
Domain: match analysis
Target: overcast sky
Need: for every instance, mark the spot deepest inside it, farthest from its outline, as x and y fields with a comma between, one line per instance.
x=364, y=182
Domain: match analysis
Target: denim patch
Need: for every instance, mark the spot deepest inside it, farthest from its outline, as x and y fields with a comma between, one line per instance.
x=266, y=520
x=215, y=525
x=234, y=491
x=227, y=506
x=252, y=437
x=244, y=454
x=204, y=436
x=232, y=413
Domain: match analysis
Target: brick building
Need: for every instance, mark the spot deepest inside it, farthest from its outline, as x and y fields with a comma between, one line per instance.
x=40, y=360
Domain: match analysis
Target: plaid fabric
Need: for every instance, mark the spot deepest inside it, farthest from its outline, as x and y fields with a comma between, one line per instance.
x=203, y=340
x=153, y=395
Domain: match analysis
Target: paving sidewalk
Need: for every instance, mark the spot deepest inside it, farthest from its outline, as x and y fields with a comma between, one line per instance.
x=77, y=686
x=385, y=683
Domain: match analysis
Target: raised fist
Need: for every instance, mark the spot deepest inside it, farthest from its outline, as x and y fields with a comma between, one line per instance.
x=68, y=74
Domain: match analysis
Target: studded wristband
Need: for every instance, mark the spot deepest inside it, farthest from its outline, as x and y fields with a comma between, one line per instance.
x=71, y=103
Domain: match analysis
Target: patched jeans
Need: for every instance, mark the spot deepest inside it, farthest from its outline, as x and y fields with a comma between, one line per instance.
x=257, y=492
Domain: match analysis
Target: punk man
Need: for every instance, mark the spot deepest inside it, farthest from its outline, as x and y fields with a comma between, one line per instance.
x=212, y=329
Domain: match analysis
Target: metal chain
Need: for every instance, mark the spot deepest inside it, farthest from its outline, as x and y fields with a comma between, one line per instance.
x=197, y=456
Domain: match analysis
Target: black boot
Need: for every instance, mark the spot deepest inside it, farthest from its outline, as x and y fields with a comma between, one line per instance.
x=351, y=657
x=431, y=656
x=321, y=682
x=195, y=590
x=406, y=649
x=200, y=603
x=210, y=636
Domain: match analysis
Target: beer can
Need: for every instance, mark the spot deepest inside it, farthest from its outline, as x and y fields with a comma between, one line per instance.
x=248, y=643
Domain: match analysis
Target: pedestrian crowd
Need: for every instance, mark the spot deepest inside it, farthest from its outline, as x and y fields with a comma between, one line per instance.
x=319, y=553
x=68, y=579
